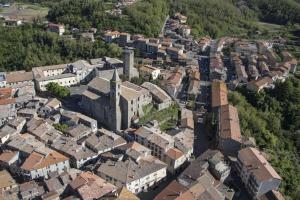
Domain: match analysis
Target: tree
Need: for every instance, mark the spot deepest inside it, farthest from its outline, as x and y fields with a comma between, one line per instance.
x=273, y=119
x=61, y=127
x=22, y=48
x=57, y=90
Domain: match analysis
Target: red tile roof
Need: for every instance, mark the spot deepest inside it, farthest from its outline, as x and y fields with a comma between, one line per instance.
x=38, y=161
x=229, y=123
x=219, y=94
x=174, y=153
x=5, y=92
x=257, y=164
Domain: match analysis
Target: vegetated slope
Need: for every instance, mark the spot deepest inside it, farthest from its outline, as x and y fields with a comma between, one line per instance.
x=145, y=16
x=215, y=17
x=273, y=119
x=277, y=11
x=30, y=46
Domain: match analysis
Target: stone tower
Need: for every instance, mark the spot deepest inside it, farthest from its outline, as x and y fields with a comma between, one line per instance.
x=115, y=93
x=129, y=70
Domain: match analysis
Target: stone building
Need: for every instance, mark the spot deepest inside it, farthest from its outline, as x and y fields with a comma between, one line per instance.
x=113, y=103
x=129, y=70
x=256, y=172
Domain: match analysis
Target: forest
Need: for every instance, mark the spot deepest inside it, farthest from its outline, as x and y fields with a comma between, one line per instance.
x=206, y=17
x=144, y=17
x=273, y=119
x=276, y=11
x=30, y=46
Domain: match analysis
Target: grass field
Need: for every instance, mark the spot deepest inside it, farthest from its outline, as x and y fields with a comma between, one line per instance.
x=26, y=12
x=167, y=117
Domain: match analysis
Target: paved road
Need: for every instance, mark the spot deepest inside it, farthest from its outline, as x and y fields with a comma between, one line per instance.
x=201, y=141
x=240, y=191
x=164, y=25
x=203, y=97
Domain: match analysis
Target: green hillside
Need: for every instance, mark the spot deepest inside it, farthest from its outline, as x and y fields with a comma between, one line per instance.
x=213, y=17
x=144, y=17
x=30, y=46
x=276, y=11
x=273, y=119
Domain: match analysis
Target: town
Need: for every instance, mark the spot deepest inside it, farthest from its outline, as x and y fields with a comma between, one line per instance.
x=155, y=124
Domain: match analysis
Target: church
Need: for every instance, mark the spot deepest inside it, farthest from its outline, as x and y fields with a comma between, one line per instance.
x=113, y=103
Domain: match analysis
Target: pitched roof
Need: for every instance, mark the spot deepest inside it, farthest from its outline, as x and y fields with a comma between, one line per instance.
x=257, y=164
x=175, y=78
x=71, y=148
x=187, y=118
x=134, y=87
x=5, y=92
x=128, y=170
x=219, y=94
x=90, y=186
x=261, y=82
x=229, y=123
x=38, y=160
x=174, y=153
x=7, y=156
x=53, y=103
x=134, y=146
x=158, y=94
x=174, y=191
x=19, y=76
x=129, y=93
x=78, y=130
x=104, y=140
x=124, y=194
x=100, y=85
x=148, y=68
x=7, y=101
x=6, y=179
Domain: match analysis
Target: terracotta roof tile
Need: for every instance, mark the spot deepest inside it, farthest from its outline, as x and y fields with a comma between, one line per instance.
x=229, y=123
x=219, y=94
x=257, y=164
x=174, y=153
x=38, y=161
x=7, y=156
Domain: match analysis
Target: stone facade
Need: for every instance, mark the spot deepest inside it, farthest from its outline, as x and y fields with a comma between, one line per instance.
x=114, y=104
x=129, y=70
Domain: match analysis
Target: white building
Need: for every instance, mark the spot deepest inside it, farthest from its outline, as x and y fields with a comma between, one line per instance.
x=162, y=146
x=256, y=172
x=64, y=74
x=148, y=71
x=137, y=173
x=44, y=161
x=78, y=154
x=19, y=78
x=104, y=141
